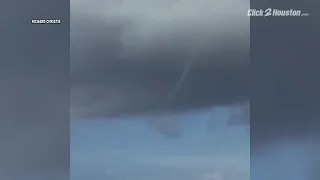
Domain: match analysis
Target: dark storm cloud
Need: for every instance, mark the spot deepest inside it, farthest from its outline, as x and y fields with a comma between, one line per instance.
x=127, y=57
x=34, y=92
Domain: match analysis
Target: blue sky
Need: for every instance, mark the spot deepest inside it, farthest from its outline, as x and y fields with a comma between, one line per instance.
x=131, y=149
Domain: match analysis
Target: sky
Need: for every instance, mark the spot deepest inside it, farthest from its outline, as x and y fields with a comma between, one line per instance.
x=208, y=148
x=128, y=148
x=154, y=58
x=127, y=56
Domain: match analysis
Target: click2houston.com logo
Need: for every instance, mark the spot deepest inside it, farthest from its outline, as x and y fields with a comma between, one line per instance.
x=276, y=12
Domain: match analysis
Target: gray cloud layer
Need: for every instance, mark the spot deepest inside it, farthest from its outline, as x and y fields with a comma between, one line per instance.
x=127, y=57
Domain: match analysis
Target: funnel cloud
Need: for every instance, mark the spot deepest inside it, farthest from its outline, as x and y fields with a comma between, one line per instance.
x=145, y=57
